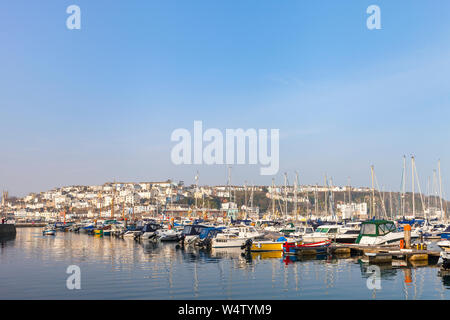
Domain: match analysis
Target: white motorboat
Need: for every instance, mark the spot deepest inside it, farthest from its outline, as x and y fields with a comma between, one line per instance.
x=227, y=240
x=335, y=233
x=168, y=234
x=246, y=232
x=131, y=233
x=150, y=231
x=302, y=231
x=49, y=231
x=444, y=244
x=381, y=232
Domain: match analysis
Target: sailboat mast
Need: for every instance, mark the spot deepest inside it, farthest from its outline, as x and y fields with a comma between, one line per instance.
x=295, y=195
x=316, y=204
x=349, y=191
x=413, y=186
x=112, y=201
x=273, y=198
x=373, y=191
x=440, y=192
x=326, y=195
x=285, y=196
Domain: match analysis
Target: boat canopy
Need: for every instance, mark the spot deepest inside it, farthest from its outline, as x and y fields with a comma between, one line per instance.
x=193, y=230
x=376, y=228
x=151, y=227
x=209, y=233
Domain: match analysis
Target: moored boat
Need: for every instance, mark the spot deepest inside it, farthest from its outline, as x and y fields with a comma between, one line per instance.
x=316, y=247
x=227, y=240
x=49, y=231
x=380, y=232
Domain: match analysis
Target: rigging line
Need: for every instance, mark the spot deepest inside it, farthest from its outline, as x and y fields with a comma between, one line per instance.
x=381, y=198
x=420, y=190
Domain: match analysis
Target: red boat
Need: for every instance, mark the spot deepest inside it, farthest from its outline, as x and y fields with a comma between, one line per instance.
x=321, y=246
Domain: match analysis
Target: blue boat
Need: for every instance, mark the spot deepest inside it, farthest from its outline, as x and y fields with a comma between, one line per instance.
x=445, y=235
x=49, y=231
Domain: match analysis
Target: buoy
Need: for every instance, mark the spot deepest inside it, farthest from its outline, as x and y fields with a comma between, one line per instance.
x=402, y=244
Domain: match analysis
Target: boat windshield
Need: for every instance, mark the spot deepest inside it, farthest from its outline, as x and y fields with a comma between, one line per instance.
x=386, y=228
x=322, y=230
x=369, y=228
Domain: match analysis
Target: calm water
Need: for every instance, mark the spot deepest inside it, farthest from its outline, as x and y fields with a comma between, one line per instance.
x=34, y=267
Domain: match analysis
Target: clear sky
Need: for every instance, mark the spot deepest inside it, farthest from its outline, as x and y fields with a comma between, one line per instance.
x=92, y=105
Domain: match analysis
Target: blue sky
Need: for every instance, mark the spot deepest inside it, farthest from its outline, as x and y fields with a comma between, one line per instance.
x=92, y=105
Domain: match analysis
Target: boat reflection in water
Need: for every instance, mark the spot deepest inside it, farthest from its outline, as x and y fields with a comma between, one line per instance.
x=116, y=268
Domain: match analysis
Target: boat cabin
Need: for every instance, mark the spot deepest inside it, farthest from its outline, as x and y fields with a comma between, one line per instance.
x=209, y=233
x=327, y=229
x=193, y=230
x=376, y=228
x=151, y=227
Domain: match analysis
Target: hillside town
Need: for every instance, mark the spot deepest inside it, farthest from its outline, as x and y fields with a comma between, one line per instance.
x=142, y=199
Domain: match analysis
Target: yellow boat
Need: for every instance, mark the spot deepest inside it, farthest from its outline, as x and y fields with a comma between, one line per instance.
x=98, y=232
x=262, y=246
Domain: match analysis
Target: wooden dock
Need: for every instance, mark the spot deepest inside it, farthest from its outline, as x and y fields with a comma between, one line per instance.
x=385, y=254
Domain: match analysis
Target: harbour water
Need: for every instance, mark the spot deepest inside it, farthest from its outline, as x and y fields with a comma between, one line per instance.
x=33, y=266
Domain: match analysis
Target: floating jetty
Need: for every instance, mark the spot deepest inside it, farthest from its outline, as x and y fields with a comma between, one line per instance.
x=30, y=225
x=385, y=254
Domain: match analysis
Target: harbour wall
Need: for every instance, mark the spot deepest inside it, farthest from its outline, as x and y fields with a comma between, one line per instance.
x=7, y=230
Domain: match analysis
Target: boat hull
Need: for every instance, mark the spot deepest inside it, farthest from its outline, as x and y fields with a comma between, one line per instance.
x=266, y=246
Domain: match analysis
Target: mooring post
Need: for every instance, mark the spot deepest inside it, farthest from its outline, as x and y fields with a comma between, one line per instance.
x=407, y=230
